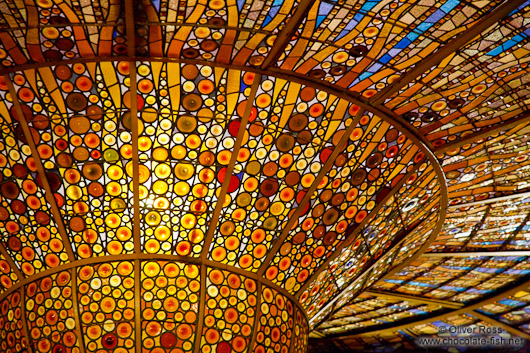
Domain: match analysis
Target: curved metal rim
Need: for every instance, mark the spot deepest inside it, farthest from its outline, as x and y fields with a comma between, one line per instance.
x=149, y=257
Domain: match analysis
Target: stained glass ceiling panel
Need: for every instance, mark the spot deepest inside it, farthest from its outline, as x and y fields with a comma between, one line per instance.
x=235, y=176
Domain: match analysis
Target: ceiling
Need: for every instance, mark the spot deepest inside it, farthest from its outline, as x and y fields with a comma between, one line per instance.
x=262, y=176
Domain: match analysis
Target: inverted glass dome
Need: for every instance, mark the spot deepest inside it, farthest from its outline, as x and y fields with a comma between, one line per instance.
x=229, y=176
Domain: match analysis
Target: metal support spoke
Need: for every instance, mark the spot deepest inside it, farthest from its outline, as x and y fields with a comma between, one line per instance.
x=130, y=29
x=137, y=306
x=48, y=193
x=492, y=200
x=285, y=35
x=445, y=51
x=230, y=167
x=415, y=299
x=135, y=160
x=256, y=317
x=491, y=130
x=202, y=308
x=131, y=50
x=24, y=320
x=77, y=314
x=293, y=220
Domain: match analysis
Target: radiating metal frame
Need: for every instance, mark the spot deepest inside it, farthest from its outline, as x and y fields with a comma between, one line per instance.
x=339, y=92
x=383, y=113
x=138, y=259
x=427, y=63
